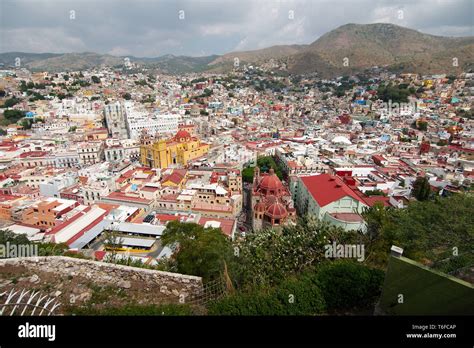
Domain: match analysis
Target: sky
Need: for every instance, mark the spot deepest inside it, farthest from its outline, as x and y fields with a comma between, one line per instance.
x=151, y=28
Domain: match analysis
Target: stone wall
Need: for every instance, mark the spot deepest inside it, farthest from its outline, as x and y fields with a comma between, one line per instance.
x=171, y=285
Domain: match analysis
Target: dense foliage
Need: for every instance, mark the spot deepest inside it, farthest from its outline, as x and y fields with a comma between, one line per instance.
x=421, y=189
x=428, y=231
x=347, y=284
x=269, y=256
x=12, y=116
x=200, y=251
x=264, y=163
x=11, y=102
x=300, y=296
x=395, y=94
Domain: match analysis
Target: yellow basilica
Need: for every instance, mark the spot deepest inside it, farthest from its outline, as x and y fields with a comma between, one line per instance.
x=165, y=153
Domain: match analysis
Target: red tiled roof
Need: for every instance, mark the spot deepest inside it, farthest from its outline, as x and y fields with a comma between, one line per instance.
x=276, y=210
x=270, y=181
x=33, y=154
x=99, y=254
x=326, y=189
x=149, y=188
x=167, y=217
x=106, y=206
x=170, y=197
x=374, y=199
x=176, y=177
x=182, y=134
x=6, y=198
x=226, y=225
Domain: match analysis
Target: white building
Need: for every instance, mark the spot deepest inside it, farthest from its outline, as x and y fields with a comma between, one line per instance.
x=117, y=151
x=91, y=152
x=115, y=118
x=51, y=187
x=161, y=124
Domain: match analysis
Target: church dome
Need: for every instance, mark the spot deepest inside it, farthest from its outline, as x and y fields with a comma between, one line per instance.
x=271, y=199
x=182, y=134
x=271, y=182
x=276, y=211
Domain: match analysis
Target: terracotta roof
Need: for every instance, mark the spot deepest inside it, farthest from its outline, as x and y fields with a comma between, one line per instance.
x=226, y=225
x=182, y=134
x=374, y=199
x=33, y=154
x=271, y=182
x=276, y=211
x=176, y=177
x=149, y=188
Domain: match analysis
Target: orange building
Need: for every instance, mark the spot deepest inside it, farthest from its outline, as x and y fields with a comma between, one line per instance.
x=46, y=212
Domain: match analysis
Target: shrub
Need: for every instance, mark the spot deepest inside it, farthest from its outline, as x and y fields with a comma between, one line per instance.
x=300, y=296
x=347, y=285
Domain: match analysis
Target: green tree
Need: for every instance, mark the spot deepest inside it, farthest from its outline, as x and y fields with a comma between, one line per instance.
x=12, y=238
x=11, y=102
x=422, y=125
x=421, y=189
x=377, y=218
x=375, y=192
x=95, y=79
x=431, y=229
x=247, y=174
x=267, y=162
x=26, y=123
x=14, y=115
x=270, y=256
x=112, y=242
x=426, y=230
x=395, y=94
x=200, y=251
x=348, y=284
x=44, y=249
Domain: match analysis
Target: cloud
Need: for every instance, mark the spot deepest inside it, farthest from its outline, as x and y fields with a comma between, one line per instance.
x=150, y=28
x=52, y=40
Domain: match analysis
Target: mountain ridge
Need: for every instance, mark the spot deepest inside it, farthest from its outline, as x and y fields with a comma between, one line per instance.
x=346, y=49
